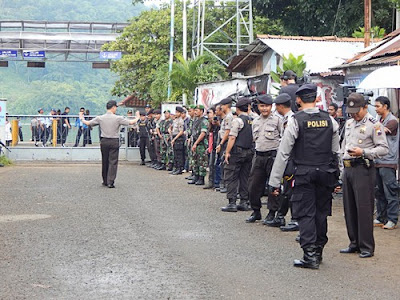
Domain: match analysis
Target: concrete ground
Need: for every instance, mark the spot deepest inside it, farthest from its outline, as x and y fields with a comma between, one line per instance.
x=64, y=236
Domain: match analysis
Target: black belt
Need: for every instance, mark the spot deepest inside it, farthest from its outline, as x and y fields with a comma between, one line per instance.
x=266, y=153
x=348, y=163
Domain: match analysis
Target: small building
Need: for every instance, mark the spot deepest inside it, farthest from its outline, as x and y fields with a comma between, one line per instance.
x=320, y=53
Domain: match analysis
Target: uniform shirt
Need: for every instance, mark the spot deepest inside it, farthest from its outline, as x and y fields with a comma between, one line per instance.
x=109, y=124
x=267, y=132
x=286, y=119
x=34, y=122
x=367, y=134
x=237, y=125
x=177, y=126
x=226, y=124
x=287, y=144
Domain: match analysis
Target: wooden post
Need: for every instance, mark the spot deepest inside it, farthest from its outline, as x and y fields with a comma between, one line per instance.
x=367, y=23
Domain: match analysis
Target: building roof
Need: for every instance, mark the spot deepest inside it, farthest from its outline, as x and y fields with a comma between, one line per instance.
x=320, y=53
x=132, y=101
x=386, y=52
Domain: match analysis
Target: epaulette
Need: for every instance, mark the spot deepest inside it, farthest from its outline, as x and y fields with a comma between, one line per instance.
x=372, y=120
x=349, y=121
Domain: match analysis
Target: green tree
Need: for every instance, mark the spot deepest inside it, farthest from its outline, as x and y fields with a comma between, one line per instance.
x=376, y=32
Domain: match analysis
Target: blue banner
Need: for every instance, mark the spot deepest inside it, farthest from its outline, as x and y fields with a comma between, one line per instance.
x=111, y=55
x=34, y=53
x=9, y=53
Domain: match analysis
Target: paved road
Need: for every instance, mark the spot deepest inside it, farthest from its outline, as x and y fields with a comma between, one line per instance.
x=64, y=236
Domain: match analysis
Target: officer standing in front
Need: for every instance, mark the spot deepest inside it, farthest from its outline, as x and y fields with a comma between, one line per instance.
x=364, y=140
x=267, y=130
x=178, y=141
x=110, y=125
x=238, y=156
x=313, y=136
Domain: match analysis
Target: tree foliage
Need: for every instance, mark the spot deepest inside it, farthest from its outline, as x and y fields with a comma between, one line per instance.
x=296, y=64
x=376, y=32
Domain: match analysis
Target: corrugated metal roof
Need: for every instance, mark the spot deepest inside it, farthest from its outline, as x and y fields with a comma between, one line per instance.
x=384, y=60
x=320, y=55
x=312, y=38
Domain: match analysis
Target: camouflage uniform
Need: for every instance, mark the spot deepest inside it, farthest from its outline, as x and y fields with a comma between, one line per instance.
x=189, y=144
x=200, y=158
x=166, y=151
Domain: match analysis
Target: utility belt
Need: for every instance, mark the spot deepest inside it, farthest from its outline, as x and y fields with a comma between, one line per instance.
x=237, y=149
x=354, y=162
x=271, y=153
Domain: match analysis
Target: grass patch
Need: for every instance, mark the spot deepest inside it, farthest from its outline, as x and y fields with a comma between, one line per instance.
x=5, y=161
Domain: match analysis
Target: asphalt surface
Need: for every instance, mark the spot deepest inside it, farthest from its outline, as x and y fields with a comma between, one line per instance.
x=64, y=236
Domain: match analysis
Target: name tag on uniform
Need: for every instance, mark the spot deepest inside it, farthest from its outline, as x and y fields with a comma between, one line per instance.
x=317, y=124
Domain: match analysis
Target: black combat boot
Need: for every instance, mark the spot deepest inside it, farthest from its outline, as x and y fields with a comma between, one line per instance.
x=162, y=167
x=309, y=261
x=172, y=171
x=256, y=215
x=318, y=251
x=194, y=180
x=278, y=221
x=200, y=181
x=291, y=226
x=169, y=168
x=177, y=172
x=270, y=217
x=243, y=205
x=231, y=207
x=190, y=177
x=142, y=163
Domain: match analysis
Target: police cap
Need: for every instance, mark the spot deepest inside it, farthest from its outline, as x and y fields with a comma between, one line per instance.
x=225, y=101
x=179, y=109
x=282, y=98
x=142, y=113
x=307, y=89
x=157, y=111
x=265, y=99
x=148, y=105
x=354, y=102
x=242, y=102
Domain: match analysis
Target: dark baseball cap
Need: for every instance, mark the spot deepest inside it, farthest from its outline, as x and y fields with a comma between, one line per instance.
x=307, y=89
x=354, y=102
x=225, y=101
x=111, y=104
x=242, y=102
x=179, y=109
x=157, y=111
x=289, y=74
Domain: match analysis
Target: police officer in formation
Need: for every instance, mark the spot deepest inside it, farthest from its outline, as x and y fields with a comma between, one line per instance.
x=238, y=157
x=364, y=140
x=312, y=138
x=267, y=129
x=143, y=136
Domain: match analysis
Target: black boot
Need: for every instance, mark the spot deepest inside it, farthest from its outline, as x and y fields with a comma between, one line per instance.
x=270, y=217
x=291, y=226
x=194, y=180
x=169, y=167
x=142, y=163
x=177, y=172
x=200, y=181
x=276, y=222
x=243, y=206
x=162, y=167
x=256, y=215
x=209, y=186
x=318, y=251
x=309, y=261
x=172, y=171
x=190, y=177
x=231, y=207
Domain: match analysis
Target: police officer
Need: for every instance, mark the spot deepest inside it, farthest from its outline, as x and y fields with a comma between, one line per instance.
x=267, y=130
x=200, y=145
x=313, y=136
x=364, y=140
x=157, y=137
x=238, y=156
x=178, y=141
x=289, y=86
x=143, y=136
x=110, y=125
x=283, y=108
x=151, y=128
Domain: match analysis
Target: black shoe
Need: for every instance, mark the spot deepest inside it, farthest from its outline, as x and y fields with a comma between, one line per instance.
x=162, y=167
x=365, y=254
x=191, y=177
x=297, y=239
x=177, y=172
x=142, y=163
x=111, y=186
x=231, y=207
x=255, y=216
x=309, y=260
x=350, y=250
x=194, y=180
x=172, y=171
x=104, y=184
x=243, y=206
x=269, y=218
x=223, y=190
x=276, y=222
x=292, y=226
x=208, y=187
x=200, y=181
x=318, y=252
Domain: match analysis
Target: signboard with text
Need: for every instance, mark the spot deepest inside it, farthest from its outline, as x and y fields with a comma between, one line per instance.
x=111, y=55
x=28, y=53
x=8, y=53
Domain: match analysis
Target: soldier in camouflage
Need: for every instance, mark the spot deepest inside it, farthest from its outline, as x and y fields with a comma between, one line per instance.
x=166, y=148
x=200, y=145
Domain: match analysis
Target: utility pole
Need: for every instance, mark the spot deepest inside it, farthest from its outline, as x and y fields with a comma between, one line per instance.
x=184, y=17
x=397, y=18
x=171, y=47
x=367, y=23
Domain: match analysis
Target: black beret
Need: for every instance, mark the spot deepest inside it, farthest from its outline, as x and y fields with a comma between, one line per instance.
x=265, y=99
x=225, y=101
x=243, y=101
x=306, y=89
x=157, y=111
x=180, y=109
x=142, y=113
x=282, y=98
